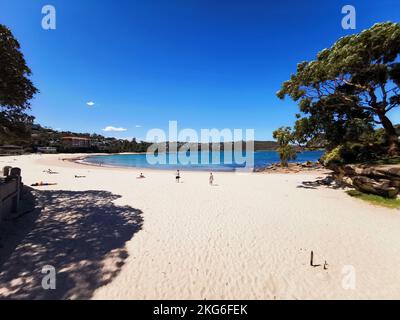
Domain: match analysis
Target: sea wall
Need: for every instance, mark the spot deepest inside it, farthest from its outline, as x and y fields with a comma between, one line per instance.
x=10, y=191
x=383, y=180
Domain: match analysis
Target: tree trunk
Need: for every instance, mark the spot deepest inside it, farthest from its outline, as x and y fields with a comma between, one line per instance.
x=391, y=135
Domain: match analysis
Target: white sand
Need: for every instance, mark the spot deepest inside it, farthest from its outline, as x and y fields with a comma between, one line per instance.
x=249, y=237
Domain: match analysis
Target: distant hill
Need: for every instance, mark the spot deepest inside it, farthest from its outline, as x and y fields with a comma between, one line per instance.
x=265, y=145
x=38, y=136
x=258, y=146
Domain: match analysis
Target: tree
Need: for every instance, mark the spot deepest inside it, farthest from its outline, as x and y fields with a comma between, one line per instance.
x=16, y=89
x=353, y=83
x=286, y=151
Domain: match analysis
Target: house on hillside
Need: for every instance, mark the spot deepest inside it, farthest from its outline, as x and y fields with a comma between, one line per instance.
x=46, y=150
x=76, y=142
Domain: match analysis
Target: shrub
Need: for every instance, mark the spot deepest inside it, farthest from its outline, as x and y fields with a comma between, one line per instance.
x=333, y=157
x=352, y=153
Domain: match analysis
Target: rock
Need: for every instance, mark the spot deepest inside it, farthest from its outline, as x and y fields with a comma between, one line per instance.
x=347, y=181
x=383, y=180
x=292, y=168
x=389, y=170
x=380, y=187
x=309, y=164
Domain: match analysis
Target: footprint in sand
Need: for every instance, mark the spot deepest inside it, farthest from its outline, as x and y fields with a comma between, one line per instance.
x=270, y=286
x=324, y=276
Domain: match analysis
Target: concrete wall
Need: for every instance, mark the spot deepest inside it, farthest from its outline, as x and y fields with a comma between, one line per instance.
x=10, y=193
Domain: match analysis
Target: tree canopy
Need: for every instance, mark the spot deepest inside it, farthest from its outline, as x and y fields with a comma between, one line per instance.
x=16, y=89
x=349, y=88
x=286, y=151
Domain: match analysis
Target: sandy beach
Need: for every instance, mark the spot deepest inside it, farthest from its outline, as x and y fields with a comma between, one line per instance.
x=112, y=236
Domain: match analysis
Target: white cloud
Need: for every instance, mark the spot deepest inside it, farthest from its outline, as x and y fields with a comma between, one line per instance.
x=90, y=103
x=114, y=129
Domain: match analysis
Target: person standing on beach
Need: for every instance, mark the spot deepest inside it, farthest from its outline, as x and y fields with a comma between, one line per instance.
x=211, y=179
x=178, y=176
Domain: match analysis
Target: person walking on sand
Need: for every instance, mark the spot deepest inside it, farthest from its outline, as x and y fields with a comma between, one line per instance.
x=178, y=176
x=211, y=179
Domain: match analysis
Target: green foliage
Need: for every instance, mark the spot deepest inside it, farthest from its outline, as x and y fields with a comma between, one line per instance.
x=284, y=136
x=16, y=89
x=349, y=88
x=375, y=199
x=286, y=153
x=351, y=153
x=332, y=157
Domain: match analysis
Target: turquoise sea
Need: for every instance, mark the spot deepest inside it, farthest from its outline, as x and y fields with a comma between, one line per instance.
x=217, y=161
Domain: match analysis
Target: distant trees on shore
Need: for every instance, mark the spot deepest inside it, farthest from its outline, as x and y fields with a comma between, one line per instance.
x=47, y=137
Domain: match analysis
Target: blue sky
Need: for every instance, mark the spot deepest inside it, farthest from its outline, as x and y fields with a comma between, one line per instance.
x=206, y=64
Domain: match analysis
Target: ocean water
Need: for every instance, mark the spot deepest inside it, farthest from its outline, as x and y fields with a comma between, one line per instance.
x=216, y=161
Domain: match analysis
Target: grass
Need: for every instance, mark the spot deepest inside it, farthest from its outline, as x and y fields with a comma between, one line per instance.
x=375, y=199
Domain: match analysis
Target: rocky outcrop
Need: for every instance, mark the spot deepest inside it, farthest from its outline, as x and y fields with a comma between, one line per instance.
x=291, y=168
x=383, y=180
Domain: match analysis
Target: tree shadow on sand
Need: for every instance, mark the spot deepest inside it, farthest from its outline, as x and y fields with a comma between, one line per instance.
x=82, y=234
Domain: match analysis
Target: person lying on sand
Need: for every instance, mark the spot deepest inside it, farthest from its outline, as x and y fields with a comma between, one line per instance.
x=49, y=171
x=76, y=176
x=41, y=184
x=141, y=176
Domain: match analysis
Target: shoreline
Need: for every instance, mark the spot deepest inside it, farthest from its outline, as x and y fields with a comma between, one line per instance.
x=300, y=167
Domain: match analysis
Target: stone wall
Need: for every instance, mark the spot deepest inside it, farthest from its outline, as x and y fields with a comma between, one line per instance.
x=10, y=191
x=383, y=180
